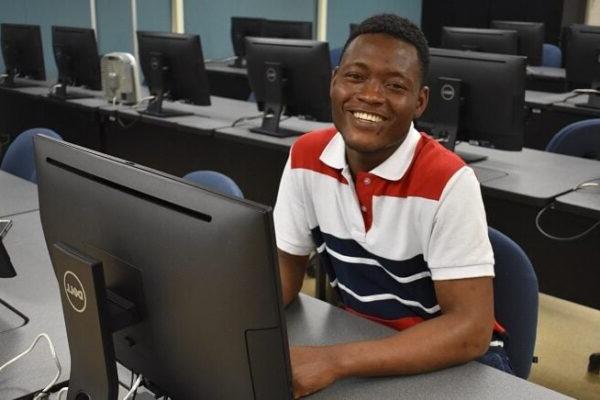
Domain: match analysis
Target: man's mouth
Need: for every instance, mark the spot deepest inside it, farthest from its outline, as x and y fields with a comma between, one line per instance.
x=363, y=116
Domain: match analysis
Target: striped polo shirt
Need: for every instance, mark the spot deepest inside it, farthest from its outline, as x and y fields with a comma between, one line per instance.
x=385, y=236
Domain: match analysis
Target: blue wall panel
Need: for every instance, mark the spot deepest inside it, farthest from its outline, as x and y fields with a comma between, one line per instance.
x=114, y=26
x=154, y=15
x=46, y=13
x=211, y=19
x=340, y=13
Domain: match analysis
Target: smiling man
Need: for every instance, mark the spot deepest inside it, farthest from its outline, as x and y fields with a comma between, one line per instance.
x=397, y=219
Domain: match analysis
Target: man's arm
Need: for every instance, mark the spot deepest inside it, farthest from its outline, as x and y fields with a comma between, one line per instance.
x=462, y=333
x=292, y=270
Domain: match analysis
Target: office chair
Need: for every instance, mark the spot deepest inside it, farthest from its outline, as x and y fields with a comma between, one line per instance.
x=334, y=57
x=580, y=139
x=19, y=159
x=515, y=300
x=215, y=181
x=551, y=56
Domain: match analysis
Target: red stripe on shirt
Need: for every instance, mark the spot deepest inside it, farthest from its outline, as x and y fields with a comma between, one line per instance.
x=307, y=150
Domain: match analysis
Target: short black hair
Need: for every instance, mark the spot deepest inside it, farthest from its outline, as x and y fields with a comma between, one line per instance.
x=398, y=27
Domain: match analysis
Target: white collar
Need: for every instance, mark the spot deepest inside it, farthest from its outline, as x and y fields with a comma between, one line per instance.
x=392, y=169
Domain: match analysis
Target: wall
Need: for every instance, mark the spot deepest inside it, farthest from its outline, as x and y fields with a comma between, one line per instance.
x=340, y=13
x=211, y=19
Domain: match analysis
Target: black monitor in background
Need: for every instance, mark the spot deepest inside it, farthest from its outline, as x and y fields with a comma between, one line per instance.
x=22, y=52
x=475, y=39
x=173, y=67
x=582, y=59
x=477, y=98
x=77, y=60
x=288, y=29
x=175, y=282
x=530, y=38
x=240, y=28
x=291, y=77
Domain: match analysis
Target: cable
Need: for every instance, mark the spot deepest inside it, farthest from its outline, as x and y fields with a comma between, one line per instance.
x=134, y=388
x=44, y=391
x=551, y=205
x=60, y=392
x=242, y=119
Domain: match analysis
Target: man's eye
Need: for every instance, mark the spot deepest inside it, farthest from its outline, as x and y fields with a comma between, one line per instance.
x=395, y=86
x=353, y=76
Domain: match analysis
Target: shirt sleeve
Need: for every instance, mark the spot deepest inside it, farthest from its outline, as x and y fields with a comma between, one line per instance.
x=459, y=246
x=292, y=229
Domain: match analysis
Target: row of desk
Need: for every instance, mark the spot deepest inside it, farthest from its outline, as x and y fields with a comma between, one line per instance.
x=515, y=185
x=33, y=296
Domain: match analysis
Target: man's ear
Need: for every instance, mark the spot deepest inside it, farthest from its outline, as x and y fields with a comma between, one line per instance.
x=333, y=75
x=422, y=101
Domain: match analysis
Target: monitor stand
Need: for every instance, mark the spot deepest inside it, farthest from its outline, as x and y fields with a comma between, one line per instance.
x=274, y=89
x=91, y=316
x=8, y=81
x=155, y=109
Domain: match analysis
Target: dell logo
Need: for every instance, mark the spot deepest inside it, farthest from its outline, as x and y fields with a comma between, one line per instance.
x=74, y=291
x=447, y=92
x=271, y=74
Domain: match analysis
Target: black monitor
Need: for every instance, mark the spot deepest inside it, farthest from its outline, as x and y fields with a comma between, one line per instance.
x=477, y=98
x=22, y=52
x=289, y=76
x=530, y=38
x=240, y=28
x=475, y=39
x=175, y=282
x=173, y=67
x=582, y=56
x=288, y=29
x=77, y=60
x=6, y=268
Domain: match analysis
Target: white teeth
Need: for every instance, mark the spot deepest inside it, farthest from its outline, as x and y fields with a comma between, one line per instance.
x=367, y=117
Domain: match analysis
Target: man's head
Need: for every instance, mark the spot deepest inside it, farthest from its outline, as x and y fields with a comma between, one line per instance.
x=378, y=90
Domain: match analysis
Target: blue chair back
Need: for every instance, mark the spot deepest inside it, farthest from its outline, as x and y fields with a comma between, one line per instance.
x=580, y=139
x=19, y=159
x=551, y=56
x=515, y=300
x=215, y=181
x=334, y=57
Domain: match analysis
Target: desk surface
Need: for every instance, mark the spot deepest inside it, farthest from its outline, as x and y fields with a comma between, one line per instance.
x=535, y=98
x=584, y=201
x=550, y=73
x=34, y=292
x=532, y=176
x=16, y=195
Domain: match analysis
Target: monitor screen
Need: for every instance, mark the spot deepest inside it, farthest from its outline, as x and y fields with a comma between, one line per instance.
x=22, y=52
x=173, y=67
x=475, y=39
x=77, y=59
x=288, y=29
x=582, y=56
x=482, y=95
x=530, y=38
x=240, y=28
x=290, y=76
x=199, y=269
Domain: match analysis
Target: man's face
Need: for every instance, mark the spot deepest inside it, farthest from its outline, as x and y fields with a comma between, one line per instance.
x=376, y=93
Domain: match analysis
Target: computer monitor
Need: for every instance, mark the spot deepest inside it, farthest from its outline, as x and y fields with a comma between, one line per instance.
x=6, y=268
x=240, y=28
x=288, y=29
x=22, y=52
x=582, y=56
x=475, y=39
x=175, y=282
x=477, y=98
x=289, y=76
x=530, y=38
x=173, y=66
x=77, y=60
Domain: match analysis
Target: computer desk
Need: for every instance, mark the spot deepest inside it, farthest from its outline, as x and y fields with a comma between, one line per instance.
x=548, y=113
x=584, y=201
x=34, y=292
x=548, y=79
x=17, y=195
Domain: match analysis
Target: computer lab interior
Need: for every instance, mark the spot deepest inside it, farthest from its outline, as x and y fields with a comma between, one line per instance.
x=141, y=147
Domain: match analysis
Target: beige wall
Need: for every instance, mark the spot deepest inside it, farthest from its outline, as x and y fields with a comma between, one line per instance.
x=592, y=15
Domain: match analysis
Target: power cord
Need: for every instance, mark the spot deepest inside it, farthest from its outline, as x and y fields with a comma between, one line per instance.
x=551, y=205
x=133, y=391
x=44, y=393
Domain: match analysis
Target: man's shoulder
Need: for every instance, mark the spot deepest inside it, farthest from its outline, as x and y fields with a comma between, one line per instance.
x=308, y=148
